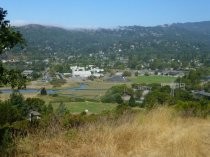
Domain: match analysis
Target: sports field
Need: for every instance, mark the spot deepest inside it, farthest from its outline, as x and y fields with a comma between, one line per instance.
x=153, y=79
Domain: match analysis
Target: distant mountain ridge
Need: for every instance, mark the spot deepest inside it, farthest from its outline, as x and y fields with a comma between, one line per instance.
x=193, y=37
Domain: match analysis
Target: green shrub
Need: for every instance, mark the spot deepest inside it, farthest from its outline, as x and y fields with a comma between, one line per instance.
x=114, y=94
x=57, y=82
x=7, y=144
x=121, y=109
x=43, y=91
x=126, y=74
x=191, y=108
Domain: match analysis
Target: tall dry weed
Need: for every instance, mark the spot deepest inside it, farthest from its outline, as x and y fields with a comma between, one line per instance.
x=159, y=133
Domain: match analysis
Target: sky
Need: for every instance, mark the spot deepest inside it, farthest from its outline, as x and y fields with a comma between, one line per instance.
x=105, y=13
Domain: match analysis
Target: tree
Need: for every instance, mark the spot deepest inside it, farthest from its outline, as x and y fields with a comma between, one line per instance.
x=8, y=113
x=193, y=108
x=17, y=101
x=126, y=74
x=138, y=94
x=114, y=93
x=43, y=91
x=16, y=79
x=119, y=99
x=35, y=104
x=132, y=101
x=9, y=38
x=207, y=87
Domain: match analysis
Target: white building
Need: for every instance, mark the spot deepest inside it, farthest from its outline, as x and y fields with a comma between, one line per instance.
x=96, y=70
x=82, y=72
x=27, y=73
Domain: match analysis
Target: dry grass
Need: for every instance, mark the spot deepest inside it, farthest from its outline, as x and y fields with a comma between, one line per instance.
x=159, y=133
x=6, y=96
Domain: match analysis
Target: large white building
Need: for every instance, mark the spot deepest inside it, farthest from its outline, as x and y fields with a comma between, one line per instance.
x=82, y=72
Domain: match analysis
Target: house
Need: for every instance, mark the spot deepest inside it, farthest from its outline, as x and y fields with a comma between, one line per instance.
x=46, y=78
x=201, y=94
x=146, y=72
x=34, y=115
x=206, y=79
x=4, y=61
x=142, y=88
x=67, y=74
x=117, y=79
x=96, y=70
x=97, y=75
x=27, y=73
x=119, y=73
x=83, y=74
x=175, y=73
x=46, y=61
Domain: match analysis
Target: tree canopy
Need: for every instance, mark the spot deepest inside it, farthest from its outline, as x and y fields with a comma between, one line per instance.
x=9, y=38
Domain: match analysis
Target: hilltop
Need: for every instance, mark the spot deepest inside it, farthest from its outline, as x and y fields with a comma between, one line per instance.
x=165, y=40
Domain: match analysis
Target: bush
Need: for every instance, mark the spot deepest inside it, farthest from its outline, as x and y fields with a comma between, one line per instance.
x=35, y=104
x=126, y=74
x=122, y=109
x=72, y=121
x=136, y=73
x=7, y=144
x=54, y=95
x=132, y=101
x=114, y=94
x=118, y=99
x=43, y=91
x=77, y=99
x=58, y=82
x=9, y=113
x=190, y=108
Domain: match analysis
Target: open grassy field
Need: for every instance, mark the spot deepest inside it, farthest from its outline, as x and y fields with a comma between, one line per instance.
x=74, y=107
x=93, y=91
x=159, y=133
x=77, y=107
x=153, y=79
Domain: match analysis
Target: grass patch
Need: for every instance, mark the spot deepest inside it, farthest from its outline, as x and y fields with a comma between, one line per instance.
x=77, y=107
x=153, y=79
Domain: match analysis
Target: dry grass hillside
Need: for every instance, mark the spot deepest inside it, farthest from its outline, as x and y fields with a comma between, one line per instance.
x=159, y=133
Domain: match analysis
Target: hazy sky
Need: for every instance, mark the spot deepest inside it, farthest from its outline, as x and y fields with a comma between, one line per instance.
x=105, y=13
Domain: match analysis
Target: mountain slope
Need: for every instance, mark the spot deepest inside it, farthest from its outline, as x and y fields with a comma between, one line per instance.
x=172, y=39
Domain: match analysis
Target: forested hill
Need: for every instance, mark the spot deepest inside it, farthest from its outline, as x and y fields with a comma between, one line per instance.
x=166, y=40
